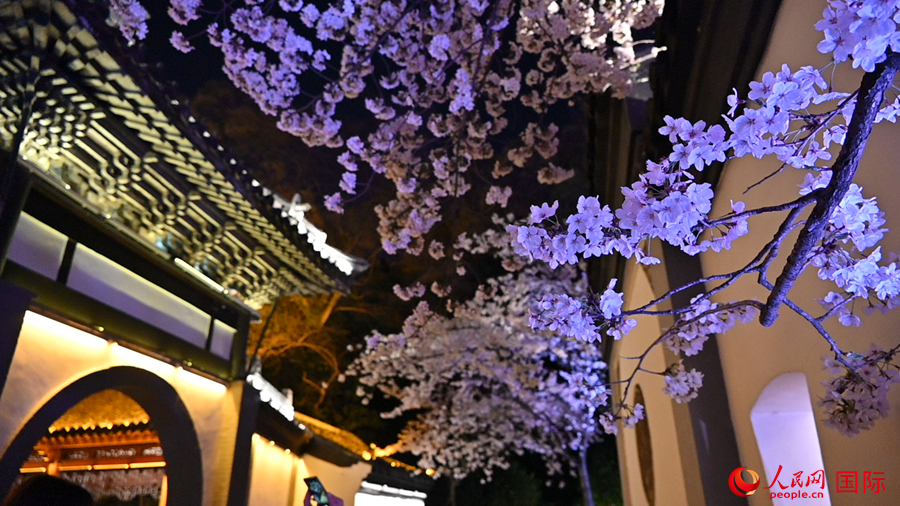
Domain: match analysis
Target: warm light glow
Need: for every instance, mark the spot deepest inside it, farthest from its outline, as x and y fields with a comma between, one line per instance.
x=164, y=491
x=270, y=476
x=164, y=370
x=144, y=465
x=85, y=342
x=25, y=470
x=137, y=359
x=76, y=468
x=200, y=381
x=109, y=467
x=72, y=336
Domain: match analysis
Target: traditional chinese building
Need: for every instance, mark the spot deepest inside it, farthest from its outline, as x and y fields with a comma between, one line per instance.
x=757, y=408
x=134, y=252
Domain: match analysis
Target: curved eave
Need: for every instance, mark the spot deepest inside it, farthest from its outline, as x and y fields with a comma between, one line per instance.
x=199, y=145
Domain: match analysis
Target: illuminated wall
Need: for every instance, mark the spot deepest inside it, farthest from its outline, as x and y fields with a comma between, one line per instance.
x=343, y=482
x=753, y=356
x=670, y=482
x=38, y=247
x=272, y=474
x=50, y=355
x=276, y=477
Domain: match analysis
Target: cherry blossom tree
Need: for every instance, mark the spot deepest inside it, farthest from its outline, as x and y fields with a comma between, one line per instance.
x=440, y=81
x=798, y=117
x=485, y=386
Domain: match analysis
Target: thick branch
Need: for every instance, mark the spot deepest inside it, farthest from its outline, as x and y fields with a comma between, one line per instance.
x=871, y=93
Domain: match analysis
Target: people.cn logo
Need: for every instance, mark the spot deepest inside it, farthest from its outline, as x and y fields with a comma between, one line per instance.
x=739, y=486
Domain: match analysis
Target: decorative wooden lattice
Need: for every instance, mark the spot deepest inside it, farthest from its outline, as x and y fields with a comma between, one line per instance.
x=110, y=137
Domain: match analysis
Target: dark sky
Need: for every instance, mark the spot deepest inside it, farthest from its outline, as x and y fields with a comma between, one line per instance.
x=187, y=72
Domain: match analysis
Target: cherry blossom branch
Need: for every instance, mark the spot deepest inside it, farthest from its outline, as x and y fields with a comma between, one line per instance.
x=800, y=202
x=758, y=264
x=871, y=94
x=834, y=309
x=679, y=325
x=814, y=125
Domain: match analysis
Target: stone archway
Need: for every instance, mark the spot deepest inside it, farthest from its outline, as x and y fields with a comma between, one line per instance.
x=161, y=402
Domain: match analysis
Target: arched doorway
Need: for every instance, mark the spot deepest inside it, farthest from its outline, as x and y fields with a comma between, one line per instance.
x=107, y=444
x=171, y=423
x=785, y=427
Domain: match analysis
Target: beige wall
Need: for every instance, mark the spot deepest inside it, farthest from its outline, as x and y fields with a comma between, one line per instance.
x=271, y=474
x=51, y=355
x=276, y=478
x=753, y=356
x=672, y=486
x=343, y=482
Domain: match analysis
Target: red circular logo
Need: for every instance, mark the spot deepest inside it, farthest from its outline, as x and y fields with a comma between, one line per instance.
x=739, y=486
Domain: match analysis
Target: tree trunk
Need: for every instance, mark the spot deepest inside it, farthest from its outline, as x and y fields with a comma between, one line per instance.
x=585, y=478
x=451, y=501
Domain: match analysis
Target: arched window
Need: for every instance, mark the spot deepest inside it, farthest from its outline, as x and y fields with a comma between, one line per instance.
x=785, y=427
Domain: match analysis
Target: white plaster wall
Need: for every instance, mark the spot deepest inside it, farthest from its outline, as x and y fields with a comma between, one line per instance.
x=51, y=355
x=363, y=499
x=270, y=475
x=343, y=482
x=37, y=246
x=669, y=479
x=273, y=470
x=753, y=356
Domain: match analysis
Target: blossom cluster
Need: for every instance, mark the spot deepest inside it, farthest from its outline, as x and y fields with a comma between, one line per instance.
x=667, y=204
x=131, y=18
x=794, y=116
x=437, y=79
x=704, y=319
x=493, y=241
x=857, y=396
x=575, y=318
x=854, y=227
x=484, y=384
x=860, y=30
x=682, y=385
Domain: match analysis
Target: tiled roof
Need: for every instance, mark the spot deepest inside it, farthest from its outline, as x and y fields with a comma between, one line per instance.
x=106, y=409
x=351, y=442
